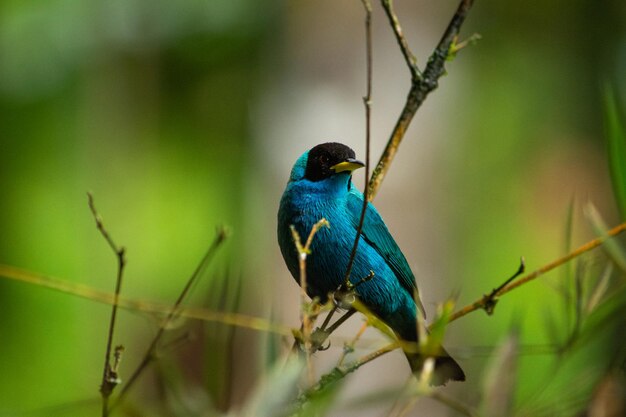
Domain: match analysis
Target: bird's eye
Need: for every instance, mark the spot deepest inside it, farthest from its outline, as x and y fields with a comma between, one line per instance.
x=324, y=159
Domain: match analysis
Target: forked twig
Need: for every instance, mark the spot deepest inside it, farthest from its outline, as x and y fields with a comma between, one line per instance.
x=151, y=352
x=306, y=316
x=487, y=301
x=339, y=372
x=110, y=378
x=321, y=334
x=421, y=83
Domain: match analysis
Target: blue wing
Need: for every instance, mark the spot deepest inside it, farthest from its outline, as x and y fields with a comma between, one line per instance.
x=375, y=233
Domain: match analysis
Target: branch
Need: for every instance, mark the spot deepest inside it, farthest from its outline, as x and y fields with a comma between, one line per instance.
x=150, y=354
x=339, y=372
x=367, y=101
x=314, y=341
x=421, y=83
x=110, y=378
x=306, y=315
x=487, y=302
x=135, y=305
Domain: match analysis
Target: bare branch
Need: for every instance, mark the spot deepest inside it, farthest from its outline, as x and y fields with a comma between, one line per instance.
x=110, y=377
x=488, y=300
x=367, y=100
x=306, y=316
x=150, y=354
x=421, y=84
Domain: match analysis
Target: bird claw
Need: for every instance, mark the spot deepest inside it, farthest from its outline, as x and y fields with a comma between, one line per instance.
x=322, y=348
x=343, y=299
x=318, y=337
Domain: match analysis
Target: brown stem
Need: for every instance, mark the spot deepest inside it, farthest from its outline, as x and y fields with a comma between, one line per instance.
x=485, y=300
x=421, y=84
x=110, y=373
x=151, y=352
x=367, y=101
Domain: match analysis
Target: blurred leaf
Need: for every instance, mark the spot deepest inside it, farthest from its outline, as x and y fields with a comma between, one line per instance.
x=501, y=377
x=316, y=400
x=223, y=294
x=373, y=320
x=178, y=395
x=553, y=326
x=432, y=344
x=319, y=404
x=600, y=289
x=608, y=317
x=616, y=136
x=610, y=397
x=274, y=345
x=611, y=246
x=569, y=231
x=275, y=394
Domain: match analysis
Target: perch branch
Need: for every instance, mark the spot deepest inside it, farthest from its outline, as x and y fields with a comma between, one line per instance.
x=421, y=83
x=489, y=300
x=367, y=101
x=110, y=376
x=339, y=372
x=319, y=336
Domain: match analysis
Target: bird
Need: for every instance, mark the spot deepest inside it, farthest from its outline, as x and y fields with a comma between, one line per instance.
x=320, y=187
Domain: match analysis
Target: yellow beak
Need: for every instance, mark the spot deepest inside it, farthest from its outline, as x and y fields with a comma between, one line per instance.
x=348, y=165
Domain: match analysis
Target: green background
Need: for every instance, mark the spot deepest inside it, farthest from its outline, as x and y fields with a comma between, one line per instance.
x=181, y=116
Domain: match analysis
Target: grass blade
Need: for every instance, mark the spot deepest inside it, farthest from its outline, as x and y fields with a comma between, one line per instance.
x=616, y=136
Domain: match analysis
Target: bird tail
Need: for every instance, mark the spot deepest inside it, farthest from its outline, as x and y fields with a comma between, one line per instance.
x=446, y=368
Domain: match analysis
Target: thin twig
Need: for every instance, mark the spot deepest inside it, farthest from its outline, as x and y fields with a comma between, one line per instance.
x=339, y=372
x=421, y=84
x=367, y=101
x=151, y=352
x=410, y=59
x=491, y=299
x=305, y=311
x=321, y=334
x=592, y=244
x=110, y=377
x=135, y=305
x=349, y=346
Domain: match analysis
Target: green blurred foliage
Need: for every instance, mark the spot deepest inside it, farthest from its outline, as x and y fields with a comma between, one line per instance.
x=144, y=103
x=148, y=105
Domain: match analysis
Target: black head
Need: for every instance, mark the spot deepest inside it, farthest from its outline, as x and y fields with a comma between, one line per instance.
x=328, y=159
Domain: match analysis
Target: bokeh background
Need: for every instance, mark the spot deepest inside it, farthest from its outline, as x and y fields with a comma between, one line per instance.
x=181, y=116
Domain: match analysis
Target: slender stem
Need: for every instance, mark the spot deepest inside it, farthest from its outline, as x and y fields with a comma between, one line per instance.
x=151, y=352
x=349, y=347
x=341, y=321
x=421, y=84
x=306, y=316
x=410, y=59
x=109, y=373
x=592, y=244
x=339, y=372
x=367, y=101
x=328, y=317
x=92, y=294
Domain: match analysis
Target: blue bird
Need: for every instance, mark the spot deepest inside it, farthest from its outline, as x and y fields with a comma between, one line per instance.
x=320, y=186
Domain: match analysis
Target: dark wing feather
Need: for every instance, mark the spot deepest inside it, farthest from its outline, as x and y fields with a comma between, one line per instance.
x=375, y=232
